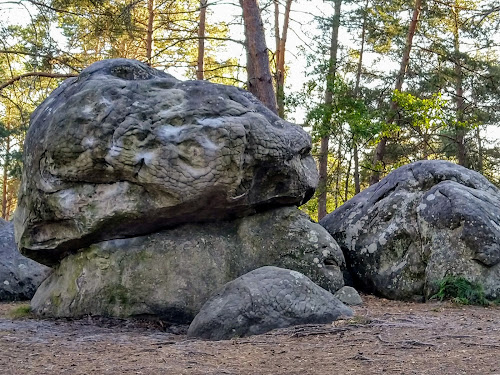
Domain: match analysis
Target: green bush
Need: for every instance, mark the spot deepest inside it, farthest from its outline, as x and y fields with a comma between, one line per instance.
x=462, y=291
x=21, y=312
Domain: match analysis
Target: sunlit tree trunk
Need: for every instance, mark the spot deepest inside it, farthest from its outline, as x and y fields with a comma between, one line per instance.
x=280, y=38
x=149, y=32
x=200, y=69
x=260, y=81
x=323, y=156
x=381, y=146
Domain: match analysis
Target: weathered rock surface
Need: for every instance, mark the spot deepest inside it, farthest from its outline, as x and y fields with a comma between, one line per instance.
x=349, y=296
x=125, y=150
x=262, y=300
x=172, y=273
x=19, y=276
x=422, y=222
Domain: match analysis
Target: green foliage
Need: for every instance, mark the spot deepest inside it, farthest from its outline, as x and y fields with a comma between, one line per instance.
x=345, y=110
x=461, y=291
x=424, y=113
x=21, y=312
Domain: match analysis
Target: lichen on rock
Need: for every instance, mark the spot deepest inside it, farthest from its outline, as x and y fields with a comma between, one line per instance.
x=172, y=151
x=423, y=222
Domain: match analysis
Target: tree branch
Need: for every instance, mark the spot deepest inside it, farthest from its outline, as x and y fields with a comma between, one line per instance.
x=35, y=74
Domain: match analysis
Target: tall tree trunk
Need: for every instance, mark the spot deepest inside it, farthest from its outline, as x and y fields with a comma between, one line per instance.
x=5, y=179
x=338, y=174
x=200, y=69
x=149, y=32
x=357, y=185
x=381, y=146
x=260, y=81
x=332, y=68
x=348, y=173
x=279, y=77
x=459, y=91
x=480, y=156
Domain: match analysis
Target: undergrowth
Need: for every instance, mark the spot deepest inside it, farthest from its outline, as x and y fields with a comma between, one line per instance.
x=21, y=312
x=462, y=291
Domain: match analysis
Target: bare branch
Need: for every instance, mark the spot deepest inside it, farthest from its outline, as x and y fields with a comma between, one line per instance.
x=35, y=74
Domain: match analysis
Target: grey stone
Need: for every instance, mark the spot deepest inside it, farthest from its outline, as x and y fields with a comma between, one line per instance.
x=349, y=296
x=422, y=222
x=172, y=273
x=19, y=276
x=125, y=150
x=262, y=300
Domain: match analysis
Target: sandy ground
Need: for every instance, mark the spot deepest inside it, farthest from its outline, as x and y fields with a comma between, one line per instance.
x=386, y=337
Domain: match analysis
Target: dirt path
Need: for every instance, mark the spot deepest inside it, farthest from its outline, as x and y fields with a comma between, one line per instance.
x=384, y=337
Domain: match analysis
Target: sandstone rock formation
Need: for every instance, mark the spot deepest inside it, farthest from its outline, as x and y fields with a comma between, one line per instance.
x=170, y=274
x=124, y=150
x=349, y=296
x=147, y=194
x=262, y=300
x=422, y=222
x=19, y=276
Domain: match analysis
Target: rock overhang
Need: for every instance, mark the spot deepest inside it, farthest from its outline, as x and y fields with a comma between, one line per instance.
x=124, y=150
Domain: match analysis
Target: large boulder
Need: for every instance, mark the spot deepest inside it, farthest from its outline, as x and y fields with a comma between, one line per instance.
x=423, y=222
x=124, y=150
x=19, y=276
x=172, y=273
x=262, y=300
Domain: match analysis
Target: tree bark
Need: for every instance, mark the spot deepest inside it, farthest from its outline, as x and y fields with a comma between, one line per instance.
x=323, y=177
x=381, y=146
x=347, y=174
x=260, y=81
x=149, y=32
x=200, y=68
x=480, y=162
x=332, y=68
x=459, y=91
x=5, y=179
x=357, y=185
x=280, y=54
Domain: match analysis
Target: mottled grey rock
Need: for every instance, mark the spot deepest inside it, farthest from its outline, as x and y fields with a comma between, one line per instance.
x=124, y=150
x=262, y=300
x=172, y=273
x=19, y=276
x=349, y=296
x=422, y=222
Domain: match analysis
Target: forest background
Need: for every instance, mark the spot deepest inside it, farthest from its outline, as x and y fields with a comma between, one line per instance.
x=377, y=83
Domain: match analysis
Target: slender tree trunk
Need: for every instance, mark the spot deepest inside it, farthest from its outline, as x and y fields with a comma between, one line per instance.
x=260, y=81
x=479, y=150
x=381, y=146
x=323, y=157
x=280, y=54
x=5, y=179
x=149, y=32
x=357, y=185
x=200, y=69
x=347, y=175
x=323, y=177
x=338, y=174
x=459, y=91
